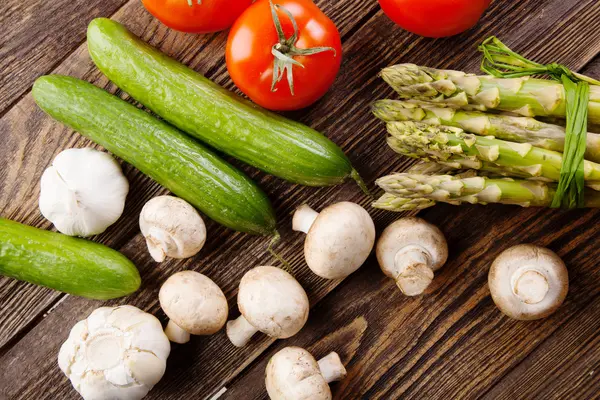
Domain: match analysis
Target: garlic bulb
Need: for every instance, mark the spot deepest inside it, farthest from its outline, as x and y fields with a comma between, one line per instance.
x=172, y=228
x=117, y=353
x=83, y=192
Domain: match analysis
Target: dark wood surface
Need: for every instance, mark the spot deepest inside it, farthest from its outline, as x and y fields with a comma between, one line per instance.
x=450, y=343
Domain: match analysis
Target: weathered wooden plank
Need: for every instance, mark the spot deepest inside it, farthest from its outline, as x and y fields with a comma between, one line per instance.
x=34, y=139
x=37, y=36
x=452, y=342
x=565, y=366
x=194, y=369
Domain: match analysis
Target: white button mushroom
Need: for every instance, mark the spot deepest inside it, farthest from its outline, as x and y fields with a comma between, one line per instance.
x=409, y=251
x=194, y=304
x=117, y=353
x=172, y=228
x=528, y=282
x=294, y=374
x=338, y=240
x=83, y=192
x=271, y=301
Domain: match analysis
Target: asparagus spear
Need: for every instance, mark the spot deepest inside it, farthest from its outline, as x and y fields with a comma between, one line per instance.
x=511, y=128
x=402, y=187
x=524, y=96
x=451, y=145
x=391, y=202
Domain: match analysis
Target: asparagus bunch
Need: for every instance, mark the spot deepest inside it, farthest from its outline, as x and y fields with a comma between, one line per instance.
x=455, y=148
x=409, y=191
x=505, y=127
x=524, y=96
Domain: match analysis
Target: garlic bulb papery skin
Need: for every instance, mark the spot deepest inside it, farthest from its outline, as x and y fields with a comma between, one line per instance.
x=172, y=228
x=83, y=192
x=117, y=353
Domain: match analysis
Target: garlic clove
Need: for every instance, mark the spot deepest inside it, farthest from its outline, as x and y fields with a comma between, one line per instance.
x=145, y=367
x=97, y=319
x=95, y=386
x=148, y=337
x=66, y=356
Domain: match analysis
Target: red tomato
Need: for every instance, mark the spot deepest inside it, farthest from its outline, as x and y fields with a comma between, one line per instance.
x=252, y=64
x=435, y=18
x=196, y=16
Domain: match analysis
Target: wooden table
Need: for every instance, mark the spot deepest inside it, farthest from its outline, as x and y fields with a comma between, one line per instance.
x=450, y=343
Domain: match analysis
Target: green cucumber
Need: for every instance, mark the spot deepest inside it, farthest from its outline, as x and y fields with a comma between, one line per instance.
x=214, y=115
x=71, y=265
x=159, y=150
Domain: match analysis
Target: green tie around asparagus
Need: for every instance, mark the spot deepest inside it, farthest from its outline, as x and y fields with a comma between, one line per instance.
x=505, y=127
x=454, y=147
x=409, y=191
x=524, y=96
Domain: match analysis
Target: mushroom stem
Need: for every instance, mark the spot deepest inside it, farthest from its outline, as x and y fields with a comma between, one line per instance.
x=332, y=368
x=158, y=242
x=413, y=271
x=176, y=334
x=529, y=285
x=303, y=219
x=239, y=331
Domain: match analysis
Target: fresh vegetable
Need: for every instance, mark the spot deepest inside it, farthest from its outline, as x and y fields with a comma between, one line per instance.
x=194, y=304
x=402, y=187
x=524, y=96
x=505, y=127
x=528, y=282
x=284, y=54
x=172, y=228
x=293, y=373
x=197, y=16
x=435, y=18
x=173, y=159
x=116, y=353
x=409, y=251
x=338, y=239
x=500, y=61
x=212, y=114
x=270, y=301
x=75, y=266
x=83, y=192
x=452, y=145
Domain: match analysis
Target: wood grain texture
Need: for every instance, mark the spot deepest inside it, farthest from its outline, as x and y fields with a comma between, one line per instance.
x=442, y=329
x=565, y=366
x=37, y=36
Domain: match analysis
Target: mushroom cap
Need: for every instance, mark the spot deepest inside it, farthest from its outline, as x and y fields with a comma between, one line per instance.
x=273, y=301
x=294, y=374
x=194, y=303
x=540, y=270
x=116, y=353
x=339, y=241
x=411, y=231
x=172, y=228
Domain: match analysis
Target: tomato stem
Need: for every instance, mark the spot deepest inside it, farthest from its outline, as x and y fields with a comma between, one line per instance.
x=284, y=51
